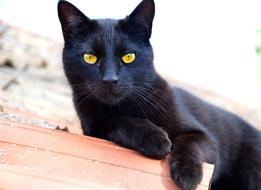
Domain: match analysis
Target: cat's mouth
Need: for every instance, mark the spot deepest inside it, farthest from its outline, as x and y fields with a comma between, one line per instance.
x=111, y=95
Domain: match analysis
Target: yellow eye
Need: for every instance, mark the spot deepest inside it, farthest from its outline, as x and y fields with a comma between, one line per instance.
x=128, y=58
x=89, y=58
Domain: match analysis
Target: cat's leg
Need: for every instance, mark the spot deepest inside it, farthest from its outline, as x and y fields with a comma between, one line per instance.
x=188, y=153
x=137, y=134
x=249, y=162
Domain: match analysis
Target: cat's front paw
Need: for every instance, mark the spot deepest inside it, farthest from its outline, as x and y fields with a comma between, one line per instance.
x=155, y=144
x=187, y=175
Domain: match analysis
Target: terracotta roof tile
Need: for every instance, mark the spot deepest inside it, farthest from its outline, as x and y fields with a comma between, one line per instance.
x=37, y=158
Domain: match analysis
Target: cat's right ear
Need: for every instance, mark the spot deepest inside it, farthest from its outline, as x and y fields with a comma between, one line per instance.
x=72, y=19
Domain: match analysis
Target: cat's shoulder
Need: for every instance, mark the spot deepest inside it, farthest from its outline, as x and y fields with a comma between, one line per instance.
x=191, y=105
x=181, y=94
x=199, y=106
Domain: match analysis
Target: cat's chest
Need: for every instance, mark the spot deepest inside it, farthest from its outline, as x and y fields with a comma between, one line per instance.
x=100, y=112
x=138, y=110
x=159, y=115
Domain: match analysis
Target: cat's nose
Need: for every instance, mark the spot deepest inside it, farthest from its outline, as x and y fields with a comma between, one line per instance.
x=111, y=80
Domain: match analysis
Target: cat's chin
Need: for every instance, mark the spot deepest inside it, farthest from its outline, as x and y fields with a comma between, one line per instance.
x=111, y=100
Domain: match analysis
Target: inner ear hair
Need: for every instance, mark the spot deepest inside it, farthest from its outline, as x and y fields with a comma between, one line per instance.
x=68, y=13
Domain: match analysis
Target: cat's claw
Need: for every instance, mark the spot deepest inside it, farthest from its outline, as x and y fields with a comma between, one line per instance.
x=186, y=175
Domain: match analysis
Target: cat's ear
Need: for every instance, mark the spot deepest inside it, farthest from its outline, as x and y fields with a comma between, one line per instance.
x=72, y=19
x=144, y=13
x=139, y=22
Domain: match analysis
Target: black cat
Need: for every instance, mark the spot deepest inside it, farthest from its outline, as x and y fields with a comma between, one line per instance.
x=119, y=96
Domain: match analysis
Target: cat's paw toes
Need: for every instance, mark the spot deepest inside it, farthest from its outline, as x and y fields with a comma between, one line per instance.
x=156, y=144
x=186, y=175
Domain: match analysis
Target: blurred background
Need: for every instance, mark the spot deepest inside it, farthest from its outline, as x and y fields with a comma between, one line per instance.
x=212, y=48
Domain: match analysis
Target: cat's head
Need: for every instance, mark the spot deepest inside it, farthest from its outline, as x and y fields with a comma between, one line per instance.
x=108, y=59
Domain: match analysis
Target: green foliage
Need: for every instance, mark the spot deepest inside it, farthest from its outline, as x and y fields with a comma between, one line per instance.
x=258, y=52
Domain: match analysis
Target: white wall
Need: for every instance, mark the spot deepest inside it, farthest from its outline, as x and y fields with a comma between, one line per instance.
x=206, y=43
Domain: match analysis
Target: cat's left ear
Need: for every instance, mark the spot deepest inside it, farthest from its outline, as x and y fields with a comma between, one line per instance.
x=72, y=19
x=139, y=22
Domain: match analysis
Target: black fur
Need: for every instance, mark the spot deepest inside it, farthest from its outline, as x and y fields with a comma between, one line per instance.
x=139, y=110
